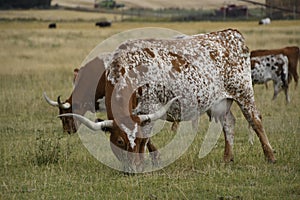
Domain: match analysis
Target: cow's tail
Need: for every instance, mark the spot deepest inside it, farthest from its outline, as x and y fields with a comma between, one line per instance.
x=295, y=74
x=284, y=79
x=297, y=77
x=284, y=76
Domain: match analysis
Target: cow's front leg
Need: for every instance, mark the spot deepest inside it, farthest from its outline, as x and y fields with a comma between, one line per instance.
x=154, y=153
x=141, y=155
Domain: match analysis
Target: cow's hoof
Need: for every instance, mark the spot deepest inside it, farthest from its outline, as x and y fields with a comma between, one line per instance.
x=155, y=158
x=156, y=162
x=228, y=159
x=271, y=160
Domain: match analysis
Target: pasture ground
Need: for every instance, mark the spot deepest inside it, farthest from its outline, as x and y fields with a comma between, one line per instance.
x=39, y=161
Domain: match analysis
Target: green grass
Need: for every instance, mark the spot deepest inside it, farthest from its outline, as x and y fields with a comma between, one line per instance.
x=39, y=161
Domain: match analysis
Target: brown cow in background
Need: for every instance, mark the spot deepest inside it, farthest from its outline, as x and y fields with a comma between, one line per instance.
x=85, y=94
x=76, y=70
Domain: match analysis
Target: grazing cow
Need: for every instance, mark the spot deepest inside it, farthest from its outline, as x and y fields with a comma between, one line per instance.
x=271, y=67
x=52, y=25
x=82, y=99
x=191, y=76
x=87, y=96
x=291, y=52
x=264, y=21
x=103, y=24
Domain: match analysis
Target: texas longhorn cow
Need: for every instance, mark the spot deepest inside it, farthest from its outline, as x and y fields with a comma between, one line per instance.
x=191, y=75
x=89, y=88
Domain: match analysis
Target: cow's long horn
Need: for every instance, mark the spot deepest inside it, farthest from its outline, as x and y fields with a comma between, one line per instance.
x=161, y=112
x=95, y=126
x=49, y=101
x=63, y=105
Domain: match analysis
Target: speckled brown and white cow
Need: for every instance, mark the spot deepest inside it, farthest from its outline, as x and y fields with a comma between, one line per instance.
x=271, y=67
x=191, y=75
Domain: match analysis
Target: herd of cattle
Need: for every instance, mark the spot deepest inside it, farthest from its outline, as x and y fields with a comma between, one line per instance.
x=100, y=24
x=176, y=79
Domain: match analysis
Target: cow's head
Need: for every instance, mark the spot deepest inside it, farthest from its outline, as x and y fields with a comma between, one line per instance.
x=127, y=139
x=64, y=107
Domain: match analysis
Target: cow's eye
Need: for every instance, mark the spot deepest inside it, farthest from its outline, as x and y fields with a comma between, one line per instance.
x=120, y=141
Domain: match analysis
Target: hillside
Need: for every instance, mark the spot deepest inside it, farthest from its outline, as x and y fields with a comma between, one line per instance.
x=157, y=4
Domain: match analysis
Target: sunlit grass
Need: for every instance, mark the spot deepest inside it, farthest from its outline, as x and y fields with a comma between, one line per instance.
x=56, y=15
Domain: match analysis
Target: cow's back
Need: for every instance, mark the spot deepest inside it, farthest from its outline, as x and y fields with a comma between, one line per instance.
x=222, y=51
x=203, y=69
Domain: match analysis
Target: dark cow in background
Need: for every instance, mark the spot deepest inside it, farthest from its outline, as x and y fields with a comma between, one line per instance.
x=103, y=24
x=191, y=76
x=52, y=25
x=271, y=67
x=291, y=52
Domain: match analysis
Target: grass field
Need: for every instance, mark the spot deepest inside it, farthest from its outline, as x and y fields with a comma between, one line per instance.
x=39, y=161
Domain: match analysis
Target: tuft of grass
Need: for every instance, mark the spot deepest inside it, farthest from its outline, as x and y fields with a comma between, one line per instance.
x=47, y=150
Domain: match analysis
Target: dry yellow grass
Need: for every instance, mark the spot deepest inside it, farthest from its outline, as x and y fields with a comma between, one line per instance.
x=56, y=15
x=74, y=3
x=156, y=4
x=190, y=4
x=42, y=48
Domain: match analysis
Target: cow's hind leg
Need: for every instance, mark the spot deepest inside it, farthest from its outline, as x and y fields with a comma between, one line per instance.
x=285, y=87
x=222, y=113
x=287, y=97
x=254, y=118
x=228, y=124
x=276, y=86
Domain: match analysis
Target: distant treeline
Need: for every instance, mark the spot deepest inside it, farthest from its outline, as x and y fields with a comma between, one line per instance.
x=8, y=4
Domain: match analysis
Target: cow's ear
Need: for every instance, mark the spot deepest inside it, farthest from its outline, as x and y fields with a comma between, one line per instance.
x=75, y=106
x=76, y=70
x=105, y=129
